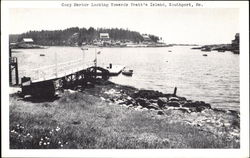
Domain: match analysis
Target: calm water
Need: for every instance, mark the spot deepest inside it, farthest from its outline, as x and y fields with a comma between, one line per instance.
x=213, y=79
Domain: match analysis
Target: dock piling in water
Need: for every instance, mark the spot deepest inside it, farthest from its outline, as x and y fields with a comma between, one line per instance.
x=13, y=66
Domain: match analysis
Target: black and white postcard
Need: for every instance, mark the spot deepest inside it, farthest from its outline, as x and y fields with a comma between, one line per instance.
x=125, y=78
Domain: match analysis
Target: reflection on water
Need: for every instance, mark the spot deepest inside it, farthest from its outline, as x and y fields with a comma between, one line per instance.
x=214, y=78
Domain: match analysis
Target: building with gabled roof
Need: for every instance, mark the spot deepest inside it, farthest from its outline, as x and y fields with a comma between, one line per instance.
x=27, y=40
x=104, y=36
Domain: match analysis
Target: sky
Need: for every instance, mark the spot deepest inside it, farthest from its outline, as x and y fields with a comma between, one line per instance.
x=174, y=25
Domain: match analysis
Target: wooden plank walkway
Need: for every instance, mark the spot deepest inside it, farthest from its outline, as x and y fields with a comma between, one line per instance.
x=64, y=69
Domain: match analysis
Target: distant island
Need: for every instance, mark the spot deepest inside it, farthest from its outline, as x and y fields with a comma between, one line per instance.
x=233, y=47
x=75, y=36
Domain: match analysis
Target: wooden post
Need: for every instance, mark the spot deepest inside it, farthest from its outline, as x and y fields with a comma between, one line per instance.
x=16, y=71
x=10, y=75
x=10, y=53
x=175, y=91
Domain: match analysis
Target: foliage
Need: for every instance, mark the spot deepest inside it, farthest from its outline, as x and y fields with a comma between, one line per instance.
x=77, y=36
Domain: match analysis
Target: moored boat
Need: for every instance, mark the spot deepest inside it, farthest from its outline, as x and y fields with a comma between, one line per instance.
x=127, y=72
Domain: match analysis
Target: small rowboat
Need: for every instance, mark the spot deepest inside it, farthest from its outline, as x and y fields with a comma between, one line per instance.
x=127, y=72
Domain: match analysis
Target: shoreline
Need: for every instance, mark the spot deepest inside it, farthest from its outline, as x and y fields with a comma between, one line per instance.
x=132, y=102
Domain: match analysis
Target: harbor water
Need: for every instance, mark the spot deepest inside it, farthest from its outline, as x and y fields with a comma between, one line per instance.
x=213, y=78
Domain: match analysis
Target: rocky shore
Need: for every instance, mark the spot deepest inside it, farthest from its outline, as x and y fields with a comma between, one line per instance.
x=178, y=109
x=219, y=48
x=233, y=47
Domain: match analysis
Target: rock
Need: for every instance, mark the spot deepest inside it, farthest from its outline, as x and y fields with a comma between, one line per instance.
x=139, y=107
x=130, y=106
x=153, y=106
x=71, y=91
x=152, y=109
x=153, y=101
x=219, y=110
x=182, y=99
x=184, y=110
x=124, y=105
x=193, y=109
x=149, y=94
x=127, y=102
x=200, y=108
x=120, y=101
x=188, y=104
x=173, y=99
x=173, y=103
x=160, y=113
x=111, y=91
x=129, y=98
x=142, y=102
x=197, y=106
x=208, y=106
x=162, y=101
x=234, y=112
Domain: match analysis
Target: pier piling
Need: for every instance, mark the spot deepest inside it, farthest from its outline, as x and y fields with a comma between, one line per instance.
x=13, y=65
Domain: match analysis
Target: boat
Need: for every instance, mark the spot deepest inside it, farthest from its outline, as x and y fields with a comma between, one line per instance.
x=204, y=55
x=127, y=72
x=221, y=50
x=42, y=55
x=206, y=49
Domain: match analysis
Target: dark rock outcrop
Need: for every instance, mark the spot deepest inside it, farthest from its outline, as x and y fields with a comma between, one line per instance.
x=173, y=104
x=162, y=101
x=142, y=102
x=148, y=94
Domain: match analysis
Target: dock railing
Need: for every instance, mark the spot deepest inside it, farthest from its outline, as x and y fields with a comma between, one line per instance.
x=55, y=71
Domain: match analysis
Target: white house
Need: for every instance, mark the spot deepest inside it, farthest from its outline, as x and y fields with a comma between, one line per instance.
x=27, y=40
x=104, y=36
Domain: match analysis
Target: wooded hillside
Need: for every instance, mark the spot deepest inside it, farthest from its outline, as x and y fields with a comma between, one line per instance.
x=77, y=36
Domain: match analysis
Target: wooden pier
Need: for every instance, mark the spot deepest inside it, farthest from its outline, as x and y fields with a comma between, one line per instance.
x=46, y=81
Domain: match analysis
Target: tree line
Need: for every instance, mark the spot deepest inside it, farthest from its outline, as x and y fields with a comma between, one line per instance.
x=77, y=36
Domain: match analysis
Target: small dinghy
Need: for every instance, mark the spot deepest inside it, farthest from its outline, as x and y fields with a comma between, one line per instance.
x=42, y=55
x=204, y=55
x=127, y=72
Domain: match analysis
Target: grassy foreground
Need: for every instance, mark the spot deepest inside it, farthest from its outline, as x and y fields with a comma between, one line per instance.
x=84, y=120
